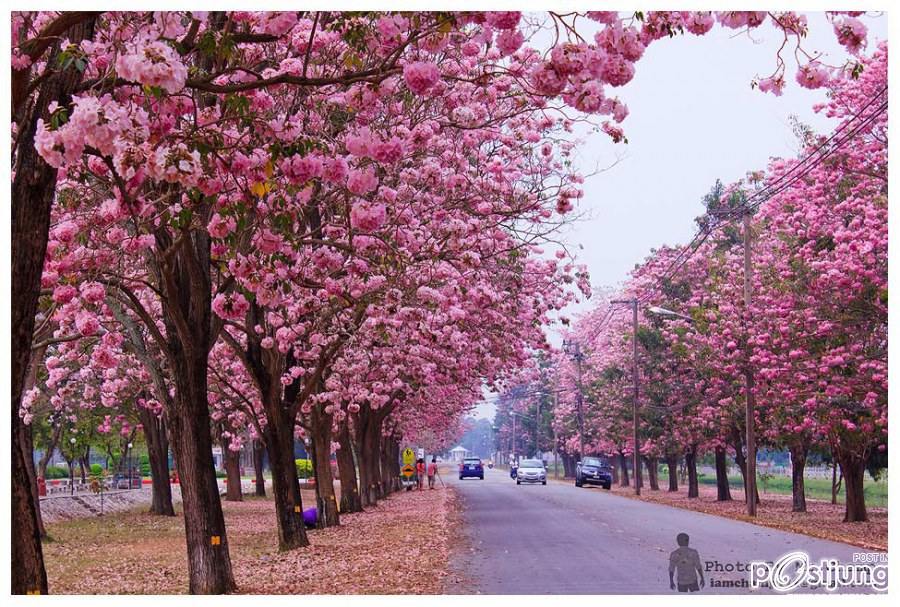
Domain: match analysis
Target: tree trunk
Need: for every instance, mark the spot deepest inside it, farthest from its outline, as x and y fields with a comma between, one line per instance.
x=187, y=312
x=350, y=499
x=154, y=425
x=672, y=463
x=853, y=468
x=33, y=191
x=690, y=460
x=158, y=454
x=835, y=480
x=48, y=452
x=722, y=486
x=615, y=471
x=741, y=461
x=623, y=478
x=799, y=452
x=209, y=564
x=281, y=421
x=639, y=473
x=653, y=472
x=258, y=451
x=568, y=465
x=326, y=504
x=285, y=486
x=234, y=492
x=367, y=444
x=374, y=457
x=395, y=464
x=389, y=457
x=84, y=465
x=27, y=439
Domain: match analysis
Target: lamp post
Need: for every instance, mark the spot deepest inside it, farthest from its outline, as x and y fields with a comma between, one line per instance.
x=72, y=442
x=573, y=349
x=128, y=460
x=633, y=302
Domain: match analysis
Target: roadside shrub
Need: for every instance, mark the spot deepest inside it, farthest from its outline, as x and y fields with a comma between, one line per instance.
x=304, y=468
x=54, y=472
x=96, y=469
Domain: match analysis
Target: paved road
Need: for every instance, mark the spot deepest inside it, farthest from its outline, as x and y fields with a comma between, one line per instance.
x=559, y=539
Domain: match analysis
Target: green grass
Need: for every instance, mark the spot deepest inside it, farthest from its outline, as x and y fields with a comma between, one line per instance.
x=816, y=488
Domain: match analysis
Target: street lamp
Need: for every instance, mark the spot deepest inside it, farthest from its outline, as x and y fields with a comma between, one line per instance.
x=573, y=349
x=72, y=441
x=128, y=460
x=665, y=312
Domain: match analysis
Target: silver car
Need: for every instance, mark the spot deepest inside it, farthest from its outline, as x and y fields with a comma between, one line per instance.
x=531, y=471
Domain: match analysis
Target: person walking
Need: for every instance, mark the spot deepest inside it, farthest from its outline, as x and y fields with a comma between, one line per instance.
x=432, y=471
x=420, y=473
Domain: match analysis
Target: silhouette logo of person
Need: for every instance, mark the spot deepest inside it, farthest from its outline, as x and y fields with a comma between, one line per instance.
x=685, y=561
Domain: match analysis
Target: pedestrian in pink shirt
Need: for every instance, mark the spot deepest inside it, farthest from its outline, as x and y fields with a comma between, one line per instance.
x=432, y=471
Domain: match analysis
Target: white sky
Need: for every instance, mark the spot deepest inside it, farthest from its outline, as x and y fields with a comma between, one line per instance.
x=693, y=119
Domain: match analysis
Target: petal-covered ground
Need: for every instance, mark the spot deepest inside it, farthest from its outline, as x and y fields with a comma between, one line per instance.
x=400, y=546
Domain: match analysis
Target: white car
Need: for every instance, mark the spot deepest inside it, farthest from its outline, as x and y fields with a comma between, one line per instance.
x=531, y=471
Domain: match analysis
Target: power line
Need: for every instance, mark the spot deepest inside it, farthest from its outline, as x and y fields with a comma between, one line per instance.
x=826, y=148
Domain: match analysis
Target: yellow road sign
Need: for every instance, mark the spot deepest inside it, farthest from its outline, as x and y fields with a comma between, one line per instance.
x=409, y=457
x=407, y=471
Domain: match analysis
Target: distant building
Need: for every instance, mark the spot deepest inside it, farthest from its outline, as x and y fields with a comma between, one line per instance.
x=458, y=453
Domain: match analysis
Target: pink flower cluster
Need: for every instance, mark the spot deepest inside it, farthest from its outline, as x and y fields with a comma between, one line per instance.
x=421, y=76
x=152, y=63
x=367, y=217
x=230, y=307
x=362, y=181
x=851, y=33
x=300, y=169
x=813, y=75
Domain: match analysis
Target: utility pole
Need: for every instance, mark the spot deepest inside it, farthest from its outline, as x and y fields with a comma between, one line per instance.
x=748, y=370
x=573, y=349
x=636, y=464
x=514, y=446
x=555, y=444
x=638, y=477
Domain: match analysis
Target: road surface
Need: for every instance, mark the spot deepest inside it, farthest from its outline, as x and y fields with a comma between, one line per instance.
x=559, y=539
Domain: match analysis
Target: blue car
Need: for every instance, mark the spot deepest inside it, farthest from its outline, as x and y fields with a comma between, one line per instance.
x=471, y=467
x=593, y=471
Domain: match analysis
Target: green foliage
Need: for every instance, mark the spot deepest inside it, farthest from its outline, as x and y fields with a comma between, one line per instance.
x=96, y=470
x=73, y=56
x=145, y=465
x=304, y=468
x=54, y=472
